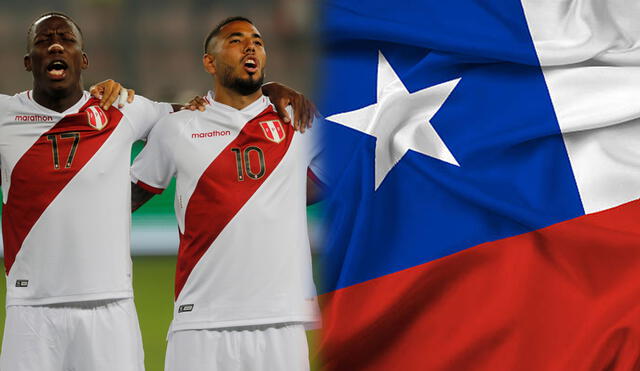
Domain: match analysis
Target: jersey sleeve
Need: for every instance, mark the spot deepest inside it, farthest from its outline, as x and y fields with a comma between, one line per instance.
x=316, y=147
x=155, y=165
x=143, y=114
x=4, y=101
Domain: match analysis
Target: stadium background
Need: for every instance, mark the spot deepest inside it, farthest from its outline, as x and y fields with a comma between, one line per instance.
x=155, y=47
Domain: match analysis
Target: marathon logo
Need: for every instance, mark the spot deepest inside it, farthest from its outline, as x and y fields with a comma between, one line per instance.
x=33, y=118
x=185, y=308
x=211, y=134
x=22, y=283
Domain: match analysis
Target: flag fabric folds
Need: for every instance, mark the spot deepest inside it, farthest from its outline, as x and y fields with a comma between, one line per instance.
x=484, y=161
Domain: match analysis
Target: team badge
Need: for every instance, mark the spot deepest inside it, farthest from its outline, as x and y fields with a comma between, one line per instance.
x=97, y=117
x=273, y=130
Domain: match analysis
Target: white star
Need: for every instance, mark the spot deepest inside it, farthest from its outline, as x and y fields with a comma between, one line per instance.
x=400, y=120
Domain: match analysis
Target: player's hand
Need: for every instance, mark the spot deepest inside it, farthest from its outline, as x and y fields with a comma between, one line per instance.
x=109, y=92
x=303, y=109
x=197, y=103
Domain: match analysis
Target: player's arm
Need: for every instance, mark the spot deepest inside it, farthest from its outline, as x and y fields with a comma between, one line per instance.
x=109, y=91
x=317, y=177
x=139, y=196
x=281, y=96
x=154, y=167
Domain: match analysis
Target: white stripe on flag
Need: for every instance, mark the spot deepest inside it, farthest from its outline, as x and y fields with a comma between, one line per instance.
x=590, y=53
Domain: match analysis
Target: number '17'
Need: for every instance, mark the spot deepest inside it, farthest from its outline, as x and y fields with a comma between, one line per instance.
x=55, y=147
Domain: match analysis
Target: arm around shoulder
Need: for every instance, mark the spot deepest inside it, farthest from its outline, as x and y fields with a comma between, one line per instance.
x=154, y=167
x=144, y=114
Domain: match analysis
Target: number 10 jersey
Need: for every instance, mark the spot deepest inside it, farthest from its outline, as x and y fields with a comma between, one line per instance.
x=244, y=256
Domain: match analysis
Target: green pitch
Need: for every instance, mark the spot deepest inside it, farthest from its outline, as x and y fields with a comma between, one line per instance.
x=153, y=288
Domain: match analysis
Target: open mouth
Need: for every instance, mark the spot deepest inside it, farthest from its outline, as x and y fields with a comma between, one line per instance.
x=56, y=70
x=250, y=65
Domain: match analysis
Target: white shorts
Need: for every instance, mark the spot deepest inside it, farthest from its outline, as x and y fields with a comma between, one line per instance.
x=85, y=336
x=276, y=347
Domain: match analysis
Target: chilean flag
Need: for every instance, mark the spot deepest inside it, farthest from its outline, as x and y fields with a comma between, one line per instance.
x=484, y=159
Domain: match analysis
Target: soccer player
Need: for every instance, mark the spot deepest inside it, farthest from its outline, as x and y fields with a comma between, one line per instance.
x=66, y=214
x=243, y=287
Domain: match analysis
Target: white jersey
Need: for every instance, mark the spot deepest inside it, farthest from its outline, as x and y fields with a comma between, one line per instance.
x=241, y=175
x=66, y=215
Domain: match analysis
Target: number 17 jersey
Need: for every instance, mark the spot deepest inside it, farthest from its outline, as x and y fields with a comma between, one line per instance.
x=66, y=214
x=244, y=256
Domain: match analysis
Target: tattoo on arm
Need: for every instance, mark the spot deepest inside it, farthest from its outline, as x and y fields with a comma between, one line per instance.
x=139, y=196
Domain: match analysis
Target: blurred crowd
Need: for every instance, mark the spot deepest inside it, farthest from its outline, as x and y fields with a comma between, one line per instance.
x=155, y=46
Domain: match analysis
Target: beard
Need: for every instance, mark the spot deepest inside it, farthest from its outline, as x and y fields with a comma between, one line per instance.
x=246, y=86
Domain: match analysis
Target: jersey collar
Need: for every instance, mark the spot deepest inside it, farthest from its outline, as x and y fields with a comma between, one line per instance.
x=252, y=110
x=28, y=96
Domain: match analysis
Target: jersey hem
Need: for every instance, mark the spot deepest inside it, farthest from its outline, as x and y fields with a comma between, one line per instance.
x=71, y=298
x=149, y=188
x=145, y=185
x=309, y=322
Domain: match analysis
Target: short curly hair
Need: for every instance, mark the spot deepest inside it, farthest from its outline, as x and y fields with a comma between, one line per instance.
x=216, y=30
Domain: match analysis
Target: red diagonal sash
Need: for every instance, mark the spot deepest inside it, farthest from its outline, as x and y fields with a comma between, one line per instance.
x=35, y=181
x=220, y=193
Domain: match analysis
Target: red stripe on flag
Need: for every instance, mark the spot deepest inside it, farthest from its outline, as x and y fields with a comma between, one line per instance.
x=219, y=194
x=561, y=298
x=35, y=182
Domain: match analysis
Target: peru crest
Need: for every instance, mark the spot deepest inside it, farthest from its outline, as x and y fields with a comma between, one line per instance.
x=273, y=130
x=97, y=118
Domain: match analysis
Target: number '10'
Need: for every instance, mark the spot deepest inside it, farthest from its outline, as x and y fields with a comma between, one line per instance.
x=243, y=163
